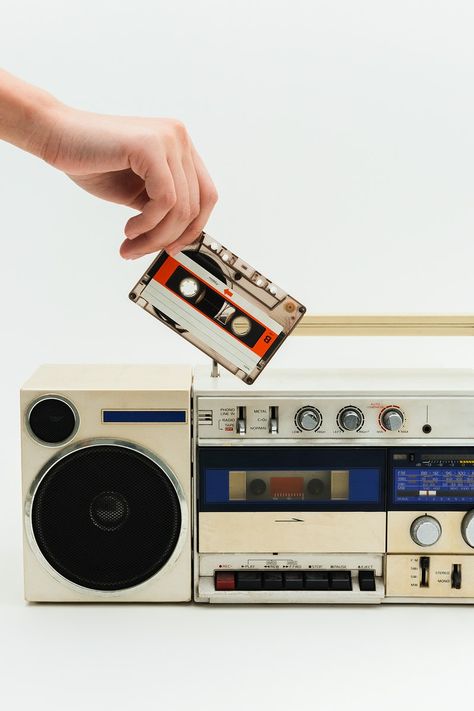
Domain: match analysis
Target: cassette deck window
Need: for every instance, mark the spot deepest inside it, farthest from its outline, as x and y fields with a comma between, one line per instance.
x=253, y=478
x=311, y=485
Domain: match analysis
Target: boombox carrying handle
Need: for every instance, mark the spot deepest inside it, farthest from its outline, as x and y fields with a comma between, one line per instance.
x=395, y=325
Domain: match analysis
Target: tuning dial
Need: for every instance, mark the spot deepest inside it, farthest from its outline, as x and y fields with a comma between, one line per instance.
x=425, y=530
x=350, y=419
x=392, y=419
x=308, y=419
x=467, y=528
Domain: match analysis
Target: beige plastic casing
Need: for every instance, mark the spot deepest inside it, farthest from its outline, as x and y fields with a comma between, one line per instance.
x=227, y=539
x=90, y=389
x=321, y=531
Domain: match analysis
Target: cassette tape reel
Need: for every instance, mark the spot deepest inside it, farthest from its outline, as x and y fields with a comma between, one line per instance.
x=218, y=302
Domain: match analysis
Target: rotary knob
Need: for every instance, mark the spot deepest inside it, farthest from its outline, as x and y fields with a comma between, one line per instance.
x=392, y=419
x=467, y=528
x=425, y=530
x=308, y=419
x=350, y=419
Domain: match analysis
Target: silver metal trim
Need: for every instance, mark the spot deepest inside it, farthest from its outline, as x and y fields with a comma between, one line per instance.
x=85, y=444
x=67, y=402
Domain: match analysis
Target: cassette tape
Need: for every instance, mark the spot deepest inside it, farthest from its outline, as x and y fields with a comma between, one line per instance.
x=218, y=302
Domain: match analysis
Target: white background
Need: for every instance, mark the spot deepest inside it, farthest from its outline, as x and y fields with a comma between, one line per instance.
x=340, y=137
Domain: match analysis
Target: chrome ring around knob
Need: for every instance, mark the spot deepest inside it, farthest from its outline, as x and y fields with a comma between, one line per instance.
x=467, y=528
x=392, y=419
x=425, y=530
x=350, y=419
x=308, y=419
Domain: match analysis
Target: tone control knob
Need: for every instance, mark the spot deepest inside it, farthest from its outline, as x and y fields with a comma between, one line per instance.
x=308, y=419
x=425, y=530
x=392, y=419
x=350, y=419
x=467, y=528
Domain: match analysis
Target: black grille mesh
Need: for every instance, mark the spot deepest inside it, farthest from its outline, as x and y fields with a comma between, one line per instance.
x=106, y=517
x=52, y=420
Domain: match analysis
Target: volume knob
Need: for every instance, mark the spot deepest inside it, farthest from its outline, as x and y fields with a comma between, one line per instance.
x=350, y=419
x=392, y=419
x=467, y=528
x=425, y=530
x=308, y=419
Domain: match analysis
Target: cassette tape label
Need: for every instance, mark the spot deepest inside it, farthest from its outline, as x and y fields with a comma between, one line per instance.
x=230, y=317
x=219, y=303
x=194, y=322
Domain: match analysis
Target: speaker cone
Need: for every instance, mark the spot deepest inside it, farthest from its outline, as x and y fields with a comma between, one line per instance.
x=106, y=516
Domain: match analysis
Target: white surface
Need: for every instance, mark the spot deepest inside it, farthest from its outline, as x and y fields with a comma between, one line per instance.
x=340, y=138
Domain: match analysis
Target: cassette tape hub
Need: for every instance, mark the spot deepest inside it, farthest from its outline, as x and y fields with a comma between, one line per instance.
x=334, y=486
x=215, y=300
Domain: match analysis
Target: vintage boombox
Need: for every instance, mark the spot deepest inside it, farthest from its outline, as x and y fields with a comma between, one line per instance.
x=153, y=483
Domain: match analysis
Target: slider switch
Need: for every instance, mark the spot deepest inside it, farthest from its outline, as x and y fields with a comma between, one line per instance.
x=456, y=578
x=366, y=580
x=241, y=424
x=273, y=420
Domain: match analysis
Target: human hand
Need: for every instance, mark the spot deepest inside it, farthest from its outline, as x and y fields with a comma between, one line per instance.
x=148, y=164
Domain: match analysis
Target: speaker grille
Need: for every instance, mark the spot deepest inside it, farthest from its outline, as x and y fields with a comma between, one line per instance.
x=106, y=517
x=52, y=420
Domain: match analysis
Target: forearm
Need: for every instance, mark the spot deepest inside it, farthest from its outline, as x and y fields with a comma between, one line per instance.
x=27, y=114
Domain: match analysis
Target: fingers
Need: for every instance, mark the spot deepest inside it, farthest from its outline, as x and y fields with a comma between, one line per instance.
x=161, y=192
x=207, y=200
x=175, y=221
x=177, y=199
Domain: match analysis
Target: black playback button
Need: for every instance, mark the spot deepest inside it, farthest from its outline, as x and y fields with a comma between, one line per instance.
x=248, y=580
x=273, y=580
x=366, y=580
x=341, y=580
x=293, y=580
x=316, y=580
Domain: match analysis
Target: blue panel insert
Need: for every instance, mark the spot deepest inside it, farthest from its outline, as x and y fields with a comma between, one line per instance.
x=217, y=485
x=432, y=485
x=144, y=416
x=364, y=484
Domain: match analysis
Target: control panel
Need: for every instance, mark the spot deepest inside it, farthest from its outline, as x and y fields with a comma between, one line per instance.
x=341, y=418
x=430, y=576
x=279, y=578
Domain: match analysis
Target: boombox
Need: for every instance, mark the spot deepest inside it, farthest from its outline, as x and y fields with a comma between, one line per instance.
x=156, y=483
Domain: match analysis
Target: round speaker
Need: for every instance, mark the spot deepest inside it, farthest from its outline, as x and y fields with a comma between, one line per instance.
x=107, y=515
x=52, y=420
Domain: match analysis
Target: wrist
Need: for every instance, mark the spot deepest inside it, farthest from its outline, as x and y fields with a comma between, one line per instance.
x=29, y=117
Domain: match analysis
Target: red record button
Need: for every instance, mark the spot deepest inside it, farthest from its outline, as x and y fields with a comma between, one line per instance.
x=225, y=581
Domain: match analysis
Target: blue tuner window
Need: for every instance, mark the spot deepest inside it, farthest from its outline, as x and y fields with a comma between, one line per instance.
x=433, y=485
